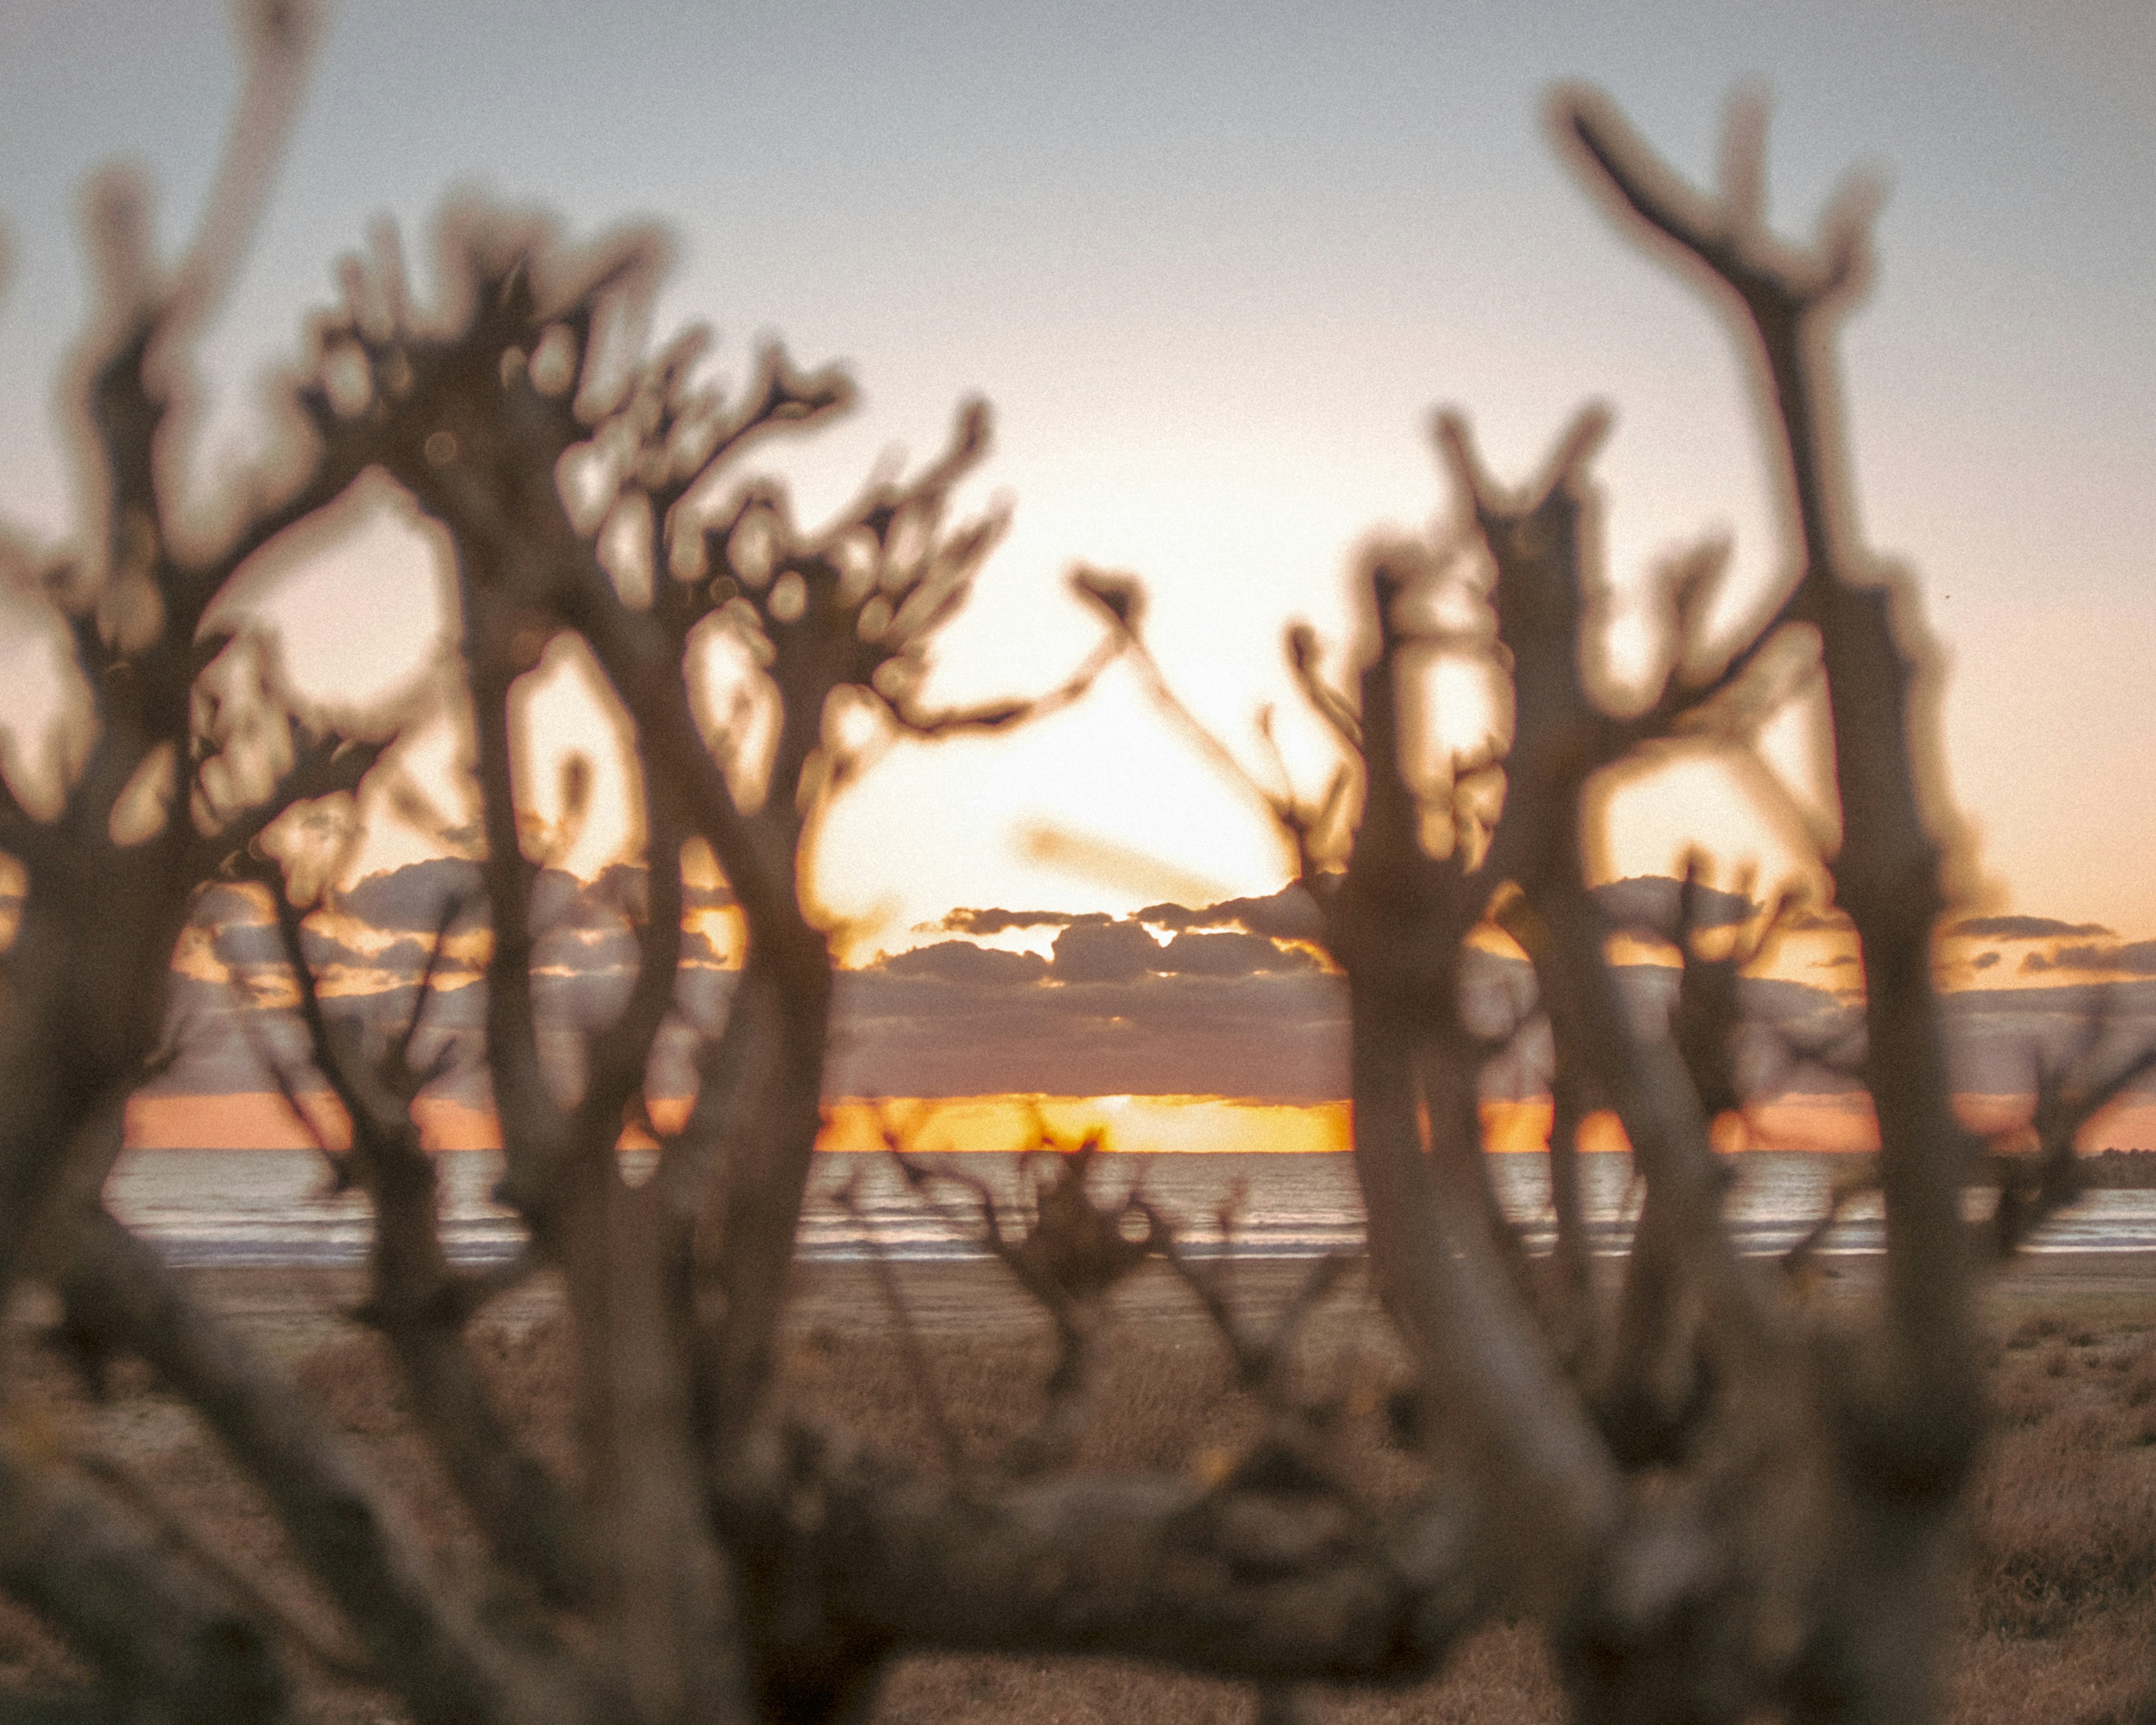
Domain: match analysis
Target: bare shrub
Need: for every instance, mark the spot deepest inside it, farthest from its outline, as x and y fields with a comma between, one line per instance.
x=1694, y=1496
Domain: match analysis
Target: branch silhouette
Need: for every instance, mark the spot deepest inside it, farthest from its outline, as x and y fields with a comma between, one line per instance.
x=1715, y=1507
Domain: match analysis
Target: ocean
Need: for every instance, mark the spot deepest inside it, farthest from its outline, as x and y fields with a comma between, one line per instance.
x=271, y=1207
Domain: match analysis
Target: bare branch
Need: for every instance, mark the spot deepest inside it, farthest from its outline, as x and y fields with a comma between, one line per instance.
x=1848, y=1185
x=781, y=398
x=176, y=1526
x=1888, y=872
x=150, y=1628
x=2068, y=1096
x=1071, y=1254
x=356, y=1544
x=399, y=1054
x=1328, y=703
x=278, y=38
x=1716, y=1513
x=1122, y=600
x=1561, y=735
x=1003, y=715
x=323, y=765
x=1260, y=1361
x=1257, y=1586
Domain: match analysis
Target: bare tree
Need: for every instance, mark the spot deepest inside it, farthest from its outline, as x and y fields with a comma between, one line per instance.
x=1719, y=1508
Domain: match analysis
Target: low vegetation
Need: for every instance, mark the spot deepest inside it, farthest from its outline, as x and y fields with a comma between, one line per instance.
x=2120, y=1170
x=2059, y=1603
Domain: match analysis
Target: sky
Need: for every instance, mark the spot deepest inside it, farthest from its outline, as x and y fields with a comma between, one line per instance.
x=1215, y=265
x=1178, y=1027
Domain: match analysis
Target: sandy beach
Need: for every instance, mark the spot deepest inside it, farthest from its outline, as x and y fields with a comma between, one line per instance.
x=2072, y=1335
x=291, y=1311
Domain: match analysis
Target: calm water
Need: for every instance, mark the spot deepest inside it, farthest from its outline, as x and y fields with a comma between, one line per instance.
x=203, y=1206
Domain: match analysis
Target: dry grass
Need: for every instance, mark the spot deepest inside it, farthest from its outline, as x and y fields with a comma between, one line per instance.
x=2061, y=1616
x=2059, y=1627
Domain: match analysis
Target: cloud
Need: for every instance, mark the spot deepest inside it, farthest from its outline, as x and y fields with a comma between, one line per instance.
x=413, y=897
x=231, y=1004
x=1278, y=1035
x=1228, y=954
x=1651, y=902
x=716, y=897
x=1232, y=1003
x=1996, y=1037
x=926, y=1024
x=1121, y=952
x=346, y=956
x=2134, y=958
x=1105, y=952
x=2026, y=928
x=963, y=963
x=247, y=945
x=1288, y=915
x=699, y=950
x=993, y=921
x=223, y=1036
x=1804, y=919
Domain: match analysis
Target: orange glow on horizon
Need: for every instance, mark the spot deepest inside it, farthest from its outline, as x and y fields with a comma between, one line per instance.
x=1133, y=1125
x=258, y=1120
x=248, y=1120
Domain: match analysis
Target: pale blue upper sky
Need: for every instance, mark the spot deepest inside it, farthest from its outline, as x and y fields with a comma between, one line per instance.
x=1214, y=264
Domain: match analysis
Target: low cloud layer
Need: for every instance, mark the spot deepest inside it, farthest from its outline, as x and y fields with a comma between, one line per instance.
x=2127, y=958
x=1228, y=1000
x=1288, y=914
x=2025, y=928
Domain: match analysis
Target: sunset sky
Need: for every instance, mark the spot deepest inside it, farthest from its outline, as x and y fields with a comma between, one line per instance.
x=1215, y=265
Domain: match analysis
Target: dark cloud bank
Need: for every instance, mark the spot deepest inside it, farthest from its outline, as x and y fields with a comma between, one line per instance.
x=1226, y=1000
